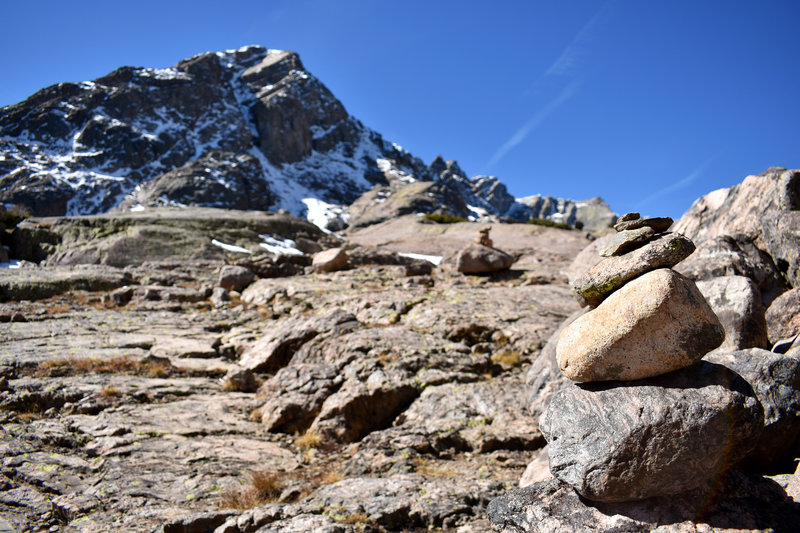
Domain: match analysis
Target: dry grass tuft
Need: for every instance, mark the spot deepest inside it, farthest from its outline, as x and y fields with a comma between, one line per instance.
x=507, y=358
x=262, y=487
x=309, y=440
x=358, y=519
x=431, y=469
x=110, y=391
x=72, y=366
x=332, y=477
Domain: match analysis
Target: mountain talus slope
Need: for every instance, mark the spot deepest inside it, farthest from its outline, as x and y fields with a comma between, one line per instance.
x=241, y=129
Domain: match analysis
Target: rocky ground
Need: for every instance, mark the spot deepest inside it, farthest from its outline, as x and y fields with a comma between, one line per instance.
x=379, y=400
x=349, y=387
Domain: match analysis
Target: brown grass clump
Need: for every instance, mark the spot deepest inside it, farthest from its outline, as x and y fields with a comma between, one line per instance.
x=109, y=391
x=309, y=440
x=357, y=519
x=262, y=487
x=72, y=366
x=332, y=477
x=507, y=358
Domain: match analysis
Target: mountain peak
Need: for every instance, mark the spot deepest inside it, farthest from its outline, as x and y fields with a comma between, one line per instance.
x=247, y=128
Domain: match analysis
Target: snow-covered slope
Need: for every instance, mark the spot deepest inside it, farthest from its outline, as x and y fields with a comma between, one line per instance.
x=246, y=129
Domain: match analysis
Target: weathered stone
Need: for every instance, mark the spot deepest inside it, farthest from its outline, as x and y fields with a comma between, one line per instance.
x=783, y=316
x=240, y=379
x=132, y=238
x=587, y=258
x=658, y=225
x=330, y=260
x=196, y=523
x=734, y=255
x=608, y=275
x=119, y=297
x=626, y=240
x=274, y=351
x=739, y=210
x=742, y=502
x=220, y=296
x=629, y=216
x=781, y=233
x=235, y=278
x=775, y=378
x=736, y=301
x=656, y=323
x=793, y=489
x=544, y=378
x=537, y=470
x=657, y=437
x=403, y=501
x=479, y=259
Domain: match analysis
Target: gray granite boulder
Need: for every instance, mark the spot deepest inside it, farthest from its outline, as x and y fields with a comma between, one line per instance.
x=658, y=437
x=235, y=278
x=742, y=502
x=736, y=301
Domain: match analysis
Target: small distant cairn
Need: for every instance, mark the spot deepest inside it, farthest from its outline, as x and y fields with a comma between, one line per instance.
x=481, y=257
x=645, y=418
x=483, y=237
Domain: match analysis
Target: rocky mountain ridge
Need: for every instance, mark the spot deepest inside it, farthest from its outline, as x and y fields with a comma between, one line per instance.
x=246, y=129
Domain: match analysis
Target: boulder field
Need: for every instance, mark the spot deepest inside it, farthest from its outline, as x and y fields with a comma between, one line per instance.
x=266, y=376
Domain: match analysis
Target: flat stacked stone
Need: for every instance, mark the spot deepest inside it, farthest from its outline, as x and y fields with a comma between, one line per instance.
x=647, y=419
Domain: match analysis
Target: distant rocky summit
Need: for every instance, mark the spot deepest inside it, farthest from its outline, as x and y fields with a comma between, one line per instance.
x=246, y=129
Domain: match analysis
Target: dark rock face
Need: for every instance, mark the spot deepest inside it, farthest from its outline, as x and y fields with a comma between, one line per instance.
x=656, y=437
x=742, y=502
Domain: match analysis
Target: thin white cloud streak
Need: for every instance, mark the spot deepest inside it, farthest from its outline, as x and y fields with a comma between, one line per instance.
x=680, y=184
x=570, y=59
x=535, y=121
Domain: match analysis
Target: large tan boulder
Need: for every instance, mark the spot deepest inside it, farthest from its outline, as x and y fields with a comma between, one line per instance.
x=655, y=324
x=478, y=259
x=330, y=260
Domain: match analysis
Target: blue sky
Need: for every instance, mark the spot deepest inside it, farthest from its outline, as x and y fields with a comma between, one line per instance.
x=647, y=104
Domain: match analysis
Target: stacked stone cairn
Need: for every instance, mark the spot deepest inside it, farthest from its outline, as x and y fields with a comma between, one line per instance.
x=645, y=417
x=481, y=257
